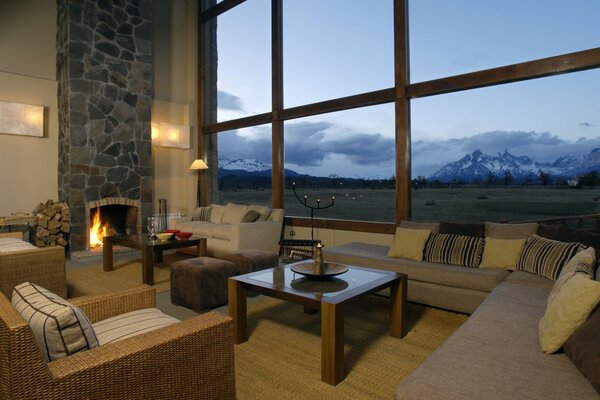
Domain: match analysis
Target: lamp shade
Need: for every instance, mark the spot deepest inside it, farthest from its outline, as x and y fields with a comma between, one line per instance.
x=198, y=164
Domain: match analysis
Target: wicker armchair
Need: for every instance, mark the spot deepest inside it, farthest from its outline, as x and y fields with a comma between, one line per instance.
x=44, y=267
x=192, y=359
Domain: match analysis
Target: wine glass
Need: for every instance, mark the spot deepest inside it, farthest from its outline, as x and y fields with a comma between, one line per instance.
x=152, y=227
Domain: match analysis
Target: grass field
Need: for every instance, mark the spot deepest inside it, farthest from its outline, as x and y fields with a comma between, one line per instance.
x=456, y=204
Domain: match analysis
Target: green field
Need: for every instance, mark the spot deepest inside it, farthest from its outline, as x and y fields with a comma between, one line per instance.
x=456, y=204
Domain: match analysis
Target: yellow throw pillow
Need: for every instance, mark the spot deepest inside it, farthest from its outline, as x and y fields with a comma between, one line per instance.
x=501, y=253
x=409, y=243
x=571, y=307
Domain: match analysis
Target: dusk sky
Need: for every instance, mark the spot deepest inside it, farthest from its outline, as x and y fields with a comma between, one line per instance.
x=346, y=48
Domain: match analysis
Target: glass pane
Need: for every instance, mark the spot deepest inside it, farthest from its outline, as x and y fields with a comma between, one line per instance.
x=244, y=60
x=516, y=151
x=336, y=48
x=348, y=155
x=455, y=37
x=245, y=166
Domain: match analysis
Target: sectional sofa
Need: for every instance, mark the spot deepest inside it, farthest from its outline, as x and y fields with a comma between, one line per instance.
x=496, y=353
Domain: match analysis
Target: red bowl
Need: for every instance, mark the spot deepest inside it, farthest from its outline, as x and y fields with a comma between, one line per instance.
x=172, y=231
x=183, y=235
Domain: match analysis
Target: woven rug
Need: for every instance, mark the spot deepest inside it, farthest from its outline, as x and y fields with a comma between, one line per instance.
x=93, y=279
x=281, y=359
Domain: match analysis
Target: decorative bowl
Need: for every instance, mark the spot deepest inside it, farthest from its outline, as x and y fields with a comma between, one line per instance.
x=162, y=236
x=183, y=235
x=173, y=230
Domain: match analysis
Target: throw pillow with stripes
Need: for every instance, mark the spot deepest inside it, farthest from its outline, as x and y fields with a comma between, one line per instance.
x=60, y=328
x=545, y=257
x=445, y=248
x=202, y=214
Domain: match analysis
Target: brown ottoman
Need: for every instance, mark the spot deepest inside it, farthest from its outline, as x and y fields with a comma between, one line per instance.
x=251, y=260
x=200, y=283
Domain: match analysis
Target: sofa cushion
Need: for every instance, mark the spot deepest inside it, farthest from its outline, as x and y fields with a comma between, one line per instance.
x=477, y=230
x=547, y=231
x=276, y=215
x=250, y=216
x=206, y=229
x=202, y=214
x=59, y=327
x=409, y=243
x=234, y=213
x=460, y=250
x=495, y=355
x=582, y=262
x=434, y=227
x=528, y=279
x=131, y=324
x=583, y=349
x=216, y=213
x=375, y=256
x=501, y=253
x=546, y=257
x=263, y=211
x=573, y=304
x=510, y=231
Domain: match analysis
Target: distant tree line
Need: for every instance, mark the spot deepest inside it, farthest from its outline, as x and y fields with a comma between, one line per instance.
x=250, y=182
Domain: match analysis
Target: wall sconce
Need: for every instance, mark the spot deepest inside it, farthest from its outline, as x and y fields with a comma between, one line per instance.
x=170, y=135
x=22, y=119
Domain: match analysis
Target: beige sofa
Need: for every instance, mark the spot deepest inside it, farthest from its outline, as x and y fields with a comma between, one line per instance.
x=225, y=231
x=495, y=354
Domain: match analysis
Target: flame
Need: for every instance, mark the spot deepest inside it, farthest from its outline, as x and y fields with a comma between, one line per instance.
x=97, y=231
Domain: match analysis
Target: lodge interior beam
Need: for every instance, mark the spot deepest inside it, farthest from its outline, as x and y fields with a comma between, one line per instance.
x=278, y=173
x=239, y=123
x=572, y=62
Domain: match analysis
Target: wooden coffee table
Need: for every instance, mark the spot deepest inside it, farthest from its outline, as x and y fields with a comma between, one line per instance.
x=151, y=251
x=330, y=297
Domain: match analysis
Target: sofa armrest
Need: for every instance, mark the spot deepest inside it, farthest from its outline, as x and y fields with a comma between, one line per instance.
x=103, y=306
x=189, y=359
x=263, y=235
x=44, y=267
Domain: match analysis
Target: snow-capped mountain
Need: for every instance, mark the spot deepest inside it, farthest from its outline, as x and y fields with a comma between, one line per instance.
x=479, y=166
x=247, y=167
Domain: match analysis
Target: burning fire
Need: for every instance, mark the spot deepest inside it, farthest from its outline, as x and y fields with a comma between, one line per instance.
x=97, y=231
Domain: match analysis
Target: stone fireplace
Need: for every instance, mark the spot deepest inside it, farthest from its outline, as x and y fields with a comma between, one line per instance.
x=104, y=73
x=119, y=215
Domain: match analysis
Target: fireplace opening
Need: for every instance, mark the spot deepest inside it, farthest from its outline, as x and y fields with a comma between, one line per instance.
x=112, y=219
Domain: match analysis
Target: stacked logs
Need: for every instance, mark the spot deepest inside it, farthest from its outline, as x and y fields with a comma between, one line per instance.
x=51, y=225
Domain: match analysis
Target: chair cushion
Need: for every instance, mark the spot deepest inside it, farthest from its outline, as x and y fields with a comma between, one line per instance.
x=510, y=231
x=13, y=244
x=462, y=250
x=583, y=349
x=409, y=243
x=131, y=324
x=60, y=328
x=574, y=302
x=546, y=257
x=501, y=253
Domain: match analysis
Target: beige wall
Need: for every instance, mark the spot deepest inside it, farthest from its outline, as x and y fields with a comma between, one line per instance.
x=175, y=54
x=27, y=75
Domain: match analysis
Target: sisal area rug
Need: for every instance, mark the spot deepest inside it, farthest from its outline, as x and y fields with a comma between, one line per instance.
x=93, y=279
x=281, y=359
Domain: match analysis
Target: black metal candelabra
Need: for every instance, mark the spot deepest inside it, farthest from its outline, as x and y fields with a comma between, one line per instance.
x=312, y=209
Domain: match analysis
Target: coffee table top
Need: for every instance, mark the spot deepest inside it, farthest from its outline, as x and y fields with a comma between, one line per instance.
x=143, y=240
x=357, y=281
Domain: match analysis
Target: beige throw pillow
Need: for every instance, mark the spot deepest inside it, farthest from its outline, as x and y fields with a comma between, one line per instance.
x=501, y=253
x=216, y=213
x=409, y=243
x=582, y=262
x=234, y=213
x=573, y=304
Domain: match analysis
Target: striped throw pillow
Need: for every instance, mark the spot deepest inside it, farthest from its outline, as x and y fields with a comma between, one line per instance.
x=545, y=257
x=130, y=324
x=445, y=248
x=202, y=214
x=60, y=328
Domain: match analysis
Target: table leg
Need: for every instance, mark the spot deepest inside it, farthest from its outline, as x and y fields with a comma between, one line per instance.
x=398, y=325
x=237, y=309
x=148, y=265
x=107, y=254
x=332, y=343
x=201, y=248
x=159, y=256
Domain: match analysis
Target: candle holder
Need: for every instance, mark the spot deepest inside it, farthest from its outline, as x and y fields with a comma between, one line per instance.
x=306, y=203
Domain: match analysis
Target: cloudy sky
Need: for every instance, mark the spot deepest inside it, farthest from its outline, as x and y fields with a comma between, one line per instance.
x=346, y=49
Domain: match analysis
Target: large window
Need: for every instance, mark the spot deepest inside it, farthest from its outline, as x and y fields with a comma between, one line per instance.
x=512, y=152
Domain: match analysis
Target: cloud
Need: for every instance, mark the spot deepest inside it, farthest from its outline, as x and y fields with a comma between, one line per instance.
x=586, y=125
x=228, y=101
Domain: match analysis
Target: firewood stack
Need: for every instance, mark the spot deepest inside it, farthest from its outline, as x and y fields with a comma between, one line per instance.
x=52, y=225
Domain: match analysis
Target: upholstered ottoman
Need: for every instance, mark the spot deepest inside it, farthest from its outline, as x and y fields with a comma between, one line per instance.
x=200, y=283
x=251, y=260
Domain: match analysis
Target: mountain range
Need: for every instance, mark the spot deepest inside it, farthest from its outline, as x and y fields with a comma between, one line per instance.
x=479, y=166
x=247, y=167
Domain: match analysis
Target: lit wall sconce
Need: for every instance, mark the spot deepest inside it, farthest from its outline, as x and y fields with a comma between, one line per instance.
x=22, y=119
x=170, y=135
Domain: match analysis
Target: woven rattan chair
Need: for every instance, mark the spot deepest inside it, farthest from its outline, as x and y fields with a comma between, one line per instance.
x=44, y=267
x=192, y=359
